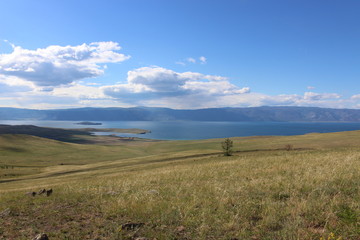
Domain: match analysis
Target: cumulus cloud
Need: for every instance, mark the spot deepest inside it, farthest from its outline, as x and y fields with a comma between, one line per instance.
x=160, y=84
x=175, y=90
x=327, y=100
x=156, y=86
x=73, y=95
x=260, y=99
x=60, y=65
x=320, y=96
x=79, y=91
x=15, y=82
x=214, y=88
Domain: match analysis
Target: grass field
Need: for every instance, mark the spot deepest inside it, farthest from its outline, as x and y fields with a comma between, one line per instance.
x=122, y=189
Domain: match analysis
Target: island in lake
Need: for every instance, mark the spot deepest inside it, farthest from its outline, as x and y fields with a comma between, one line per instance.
x=116, y=130
x=88, y=123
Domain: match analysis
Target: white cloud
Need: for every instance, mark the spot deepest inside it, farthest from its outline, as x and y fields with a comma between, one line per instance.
x=191, y=60
x=202, y=59
x=320, y=96
x=310, y=87
x=356, y=97
x=215, y=88
x=259, y=99
x=16, y=82
x=59, y=65
x=185, y=90
x=180, y=63
x=157, y=79
x=325, y=100
x=158, y=84
x=74, y=95
x=92, y=84
x=80, y=92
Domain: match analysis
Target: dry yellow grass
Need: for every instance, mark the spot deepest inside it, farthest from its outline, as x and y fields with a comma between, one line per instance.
x=308, y=193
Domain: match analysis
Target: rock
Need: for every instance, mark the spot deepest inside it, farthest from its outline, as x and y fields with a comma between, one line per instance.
x=131, y=226
x=31, y=194
x=111, y=193
x=41, y=236
x=153, y=191
x=180, y=229
x=49, y=192
x=5, y=213
x=163, y=226
x=42, y=191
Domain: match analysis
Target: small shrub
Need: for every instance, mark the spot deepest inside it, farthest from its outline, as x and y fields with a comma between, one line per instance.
x=289, y=147
x=281, y=196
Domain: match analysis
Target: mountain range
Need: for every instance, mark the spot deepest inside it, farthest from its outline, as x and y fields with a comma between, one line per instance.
x=277, y=114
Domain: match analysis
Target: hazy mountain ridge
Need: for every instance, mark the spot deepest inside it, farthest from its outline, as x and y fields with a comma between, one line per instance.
x=281, y=114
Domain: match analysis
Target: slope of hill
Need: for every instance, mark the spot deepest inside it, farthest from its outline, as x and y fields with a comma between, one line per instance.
x=51, y=133
x=182, y=189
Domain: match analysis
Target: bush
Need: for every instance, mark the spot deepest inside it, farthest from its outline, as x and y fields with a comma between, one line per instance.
x=289, y=147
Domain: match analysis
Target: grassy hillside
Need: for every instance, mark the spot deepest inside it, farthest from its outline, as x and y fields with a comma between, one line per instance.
x=182, y=189
x=79, y=135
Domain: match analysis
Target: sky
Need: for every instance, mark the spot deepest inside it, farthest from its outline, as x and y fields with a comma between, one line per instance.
x=179, y=54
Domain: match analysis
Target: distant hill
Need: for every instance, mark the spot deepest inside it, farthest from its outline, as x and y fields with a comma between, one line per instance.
x=277, y=114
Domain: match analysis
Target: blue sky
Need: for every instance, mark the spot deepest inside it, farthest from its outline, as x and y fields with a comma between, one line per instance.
x=179, y=53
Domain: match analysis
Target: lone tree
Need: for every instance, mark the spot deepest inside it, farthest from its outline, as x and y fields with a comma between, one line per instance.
x=227, y=146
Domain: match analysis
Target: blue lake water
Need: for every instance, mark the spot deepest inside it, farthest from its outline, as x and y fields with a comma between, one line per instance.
x=203, y=130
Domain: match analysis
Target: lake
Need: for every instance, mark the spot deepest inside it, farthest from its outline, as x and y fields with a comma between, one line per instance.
x=191, y=130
